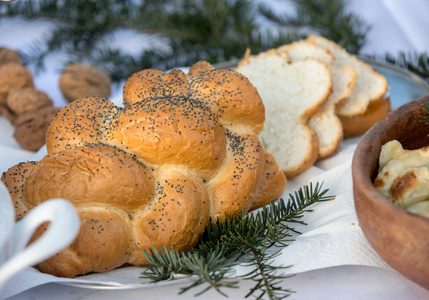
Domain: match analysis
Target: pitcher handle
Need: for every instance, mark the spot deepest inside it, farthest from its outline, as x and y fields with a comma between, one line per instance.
x=62, y=230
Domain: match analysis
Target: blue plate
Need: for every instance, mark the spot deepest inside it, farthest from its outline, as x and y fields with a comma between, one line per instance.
x=404, y=85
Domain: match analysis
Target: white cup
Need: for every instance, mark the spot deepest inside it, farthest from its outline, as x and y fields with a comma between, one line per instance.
x=15, y=254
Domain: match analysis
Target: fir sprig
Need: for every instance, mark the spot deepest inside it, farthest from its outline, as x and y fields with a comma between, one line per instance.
x=417, y=63
x=325, y=17
x=254, y=240
x=193, y=30
x=211, y=267
x=425, y=118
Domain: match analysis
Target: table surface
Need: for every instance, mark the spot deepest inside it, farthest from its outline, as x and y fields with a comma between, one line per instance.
x=396, y=25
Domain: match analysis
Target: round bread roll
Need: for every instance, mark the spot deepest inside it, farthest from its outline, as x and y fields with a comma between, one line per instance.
x=153, y=173
x=226, y=92
x=359, y=124
x=13, y=75
x=14, y=179
x=199, y=68
x=9, y=56
x=80, y=122
x=91, y=175
x=30, y=127
x=176, y=130
x=79, y=80
x=22, y=100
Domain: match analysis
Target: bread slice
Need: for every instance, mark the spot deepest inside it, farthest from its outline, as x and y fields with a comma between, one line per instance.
x=325, y=122
x=291, y=93
x=304, y=49
x=370, y=85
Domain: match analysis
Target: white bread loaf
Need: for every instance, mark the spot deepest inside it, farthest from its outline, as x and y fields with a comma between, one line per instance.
x=292, y=93
x=325, y=123
x=370, y=85
x=182, y=150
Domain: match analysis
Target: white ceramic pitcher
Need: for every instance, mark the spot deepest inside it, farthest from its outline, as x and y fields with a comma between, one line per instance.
x=15, y=254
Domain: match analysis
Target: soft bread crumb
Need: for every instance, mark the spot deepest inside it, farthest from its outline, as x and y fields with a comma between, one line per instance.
x=370, y=85
x=291, y=94
x=325, y=123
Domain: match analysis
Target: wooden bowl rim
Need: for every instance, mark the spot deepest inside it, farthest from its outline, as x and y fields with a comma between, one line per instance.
x=363, y=181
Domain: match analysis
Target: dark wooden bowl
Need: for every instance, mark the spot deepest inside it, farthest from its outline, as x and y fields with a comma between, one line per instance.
x=399, y=237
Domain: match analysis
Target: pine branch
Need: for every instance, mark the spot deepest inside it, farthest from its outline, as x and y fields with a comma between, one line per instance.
x=417, y=63
x=210, y=267
x=211, y=30
x=425, y=118
x=325, y=17
x=265, y=275
x=253, y=240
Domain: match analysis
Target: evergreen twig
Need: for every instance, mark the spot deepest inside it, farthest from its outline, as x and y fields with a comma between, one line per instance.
x=325, y=17
x=254, y=240
x=425, y=118
x=193, y=30
x=417, y=63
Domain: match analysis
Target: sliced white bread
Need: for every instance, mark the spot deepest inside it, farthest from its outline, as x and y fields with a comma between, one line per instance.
x=325, y=122
x=370, y=85
x=291, y=93
x=304, y=49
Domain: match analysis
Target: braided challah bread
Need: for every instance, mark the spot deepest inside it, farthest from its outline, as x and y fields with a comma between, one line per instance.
x=183, y=149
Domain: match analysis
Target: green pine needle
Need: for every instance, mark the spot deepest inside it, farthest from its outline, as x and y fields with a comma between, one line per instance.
x=425, y=118
x=253, y=240
x=193, y=30
x=418, y=63
x=325, y=17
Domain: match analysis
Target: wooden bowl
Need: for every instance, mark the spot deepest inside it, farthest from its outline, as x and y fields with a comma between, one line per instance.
x=399, y=237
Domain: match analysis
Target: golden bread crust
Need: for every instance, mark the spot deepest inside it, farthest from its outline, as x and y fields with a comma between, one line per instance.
x=9, y=56
x=233, y=187
x=30, y=127
x=91, y=175
x=103, y=243
x=80, y=80
x=232, y=96
x=80, y=122
x=180, y=209
x=14, y=179
x=199, y=68
x=153, y=173
x=23, y=100
x=13, y=75
x=359, y=124
x=171, y=130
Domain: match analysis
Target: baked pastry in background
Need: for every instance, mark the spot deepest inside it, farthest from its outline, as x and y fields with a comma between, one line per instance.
x=13, y=75
x=28, y=109
x=80, y=80
x=22, y=100
x=182, y=150
x=9, y=56
x=30, y=127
